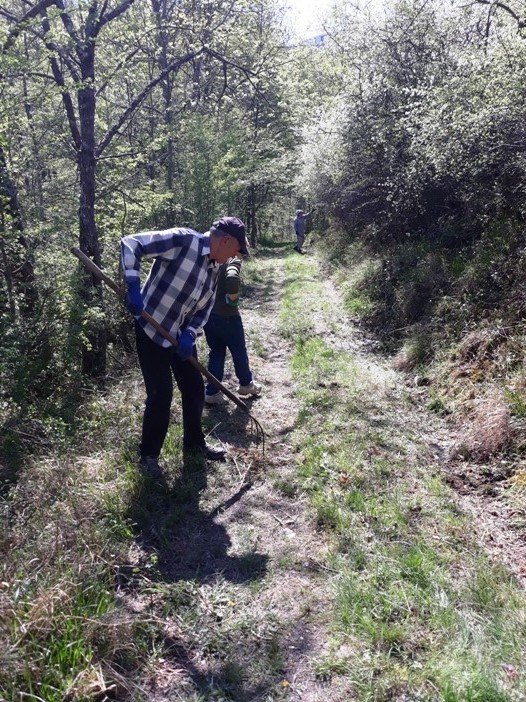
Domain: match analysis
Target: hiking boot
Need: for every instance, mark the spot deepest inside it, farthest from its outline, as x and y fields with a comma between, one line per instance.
x=150, y=466
x=252, y=388
x=216, y=399
x=209, y=452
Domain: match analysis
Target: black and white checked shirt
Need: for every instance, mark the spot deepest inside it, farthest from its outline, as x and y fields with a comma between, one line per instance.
x=179, y=291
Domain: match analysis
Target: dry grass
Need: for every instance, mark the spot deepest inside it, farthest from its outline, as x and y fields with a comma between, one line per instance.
x=487, y=433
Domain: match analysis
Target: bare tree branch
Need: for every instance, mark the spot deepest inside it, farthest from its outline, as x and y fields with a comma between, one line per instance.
x=55, y=49
x=20, y=23
x=8, y=15
x=114, y=13
x=503, y=6
x=228, y=62
x=59, y=80
x=67, y=22
x=139, y=99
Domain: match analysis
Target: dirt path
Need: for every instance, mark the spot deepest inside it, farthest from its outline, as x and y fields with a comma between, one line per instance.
x=243, y=593
x=497, y=524
x=243, y=564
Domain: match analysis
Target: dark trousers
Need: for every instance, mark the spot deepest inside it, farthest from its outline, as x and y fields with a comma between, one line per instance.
x=224, y=333
x=157, y=365
x=300, y=238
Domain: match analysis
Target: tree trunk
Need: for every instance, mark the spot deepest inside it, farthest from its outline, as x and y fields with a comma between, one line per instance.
x=94, y=352
x=18, y=259
x=251, y=221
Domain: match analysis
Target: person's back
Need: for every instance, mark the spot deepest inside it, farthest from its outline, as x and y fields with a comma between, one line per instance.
x=228, y=283
x=300, y=223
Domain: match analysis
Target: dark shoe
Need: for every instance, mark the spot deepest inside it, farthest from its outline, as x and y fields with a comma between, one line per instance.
x=213, y=453
x=150, y=466
x=210, y=453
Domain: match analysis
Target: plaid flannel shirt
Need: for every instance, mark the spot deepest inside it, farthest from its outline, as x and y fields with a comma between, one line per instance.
x=180, y=288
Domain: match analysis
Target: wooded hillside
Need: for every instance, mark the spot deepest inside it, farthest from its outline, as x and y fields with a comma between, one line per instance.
x=376, y=551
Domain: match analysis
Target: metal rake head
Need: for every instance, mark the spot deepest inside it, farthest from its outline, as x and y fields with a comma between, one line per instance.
x=257, y=429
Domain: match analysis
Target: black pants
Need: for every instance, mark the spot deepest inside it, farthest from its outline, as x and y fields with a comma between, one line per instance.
x=157, y=365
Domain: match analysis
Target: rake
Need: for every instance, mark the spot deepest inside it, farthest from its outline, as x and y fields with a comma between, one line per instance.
x=96, y=271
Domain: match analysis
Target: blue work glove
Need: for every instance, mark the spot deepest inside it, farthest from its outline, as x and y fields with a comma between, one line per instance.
x=185, y=344
x=134, y=298
x=232, y=303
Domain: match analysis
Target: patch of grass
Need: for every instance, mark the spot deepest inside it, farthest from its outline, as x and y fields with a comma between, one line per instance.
x=430, y=616
x=517, y=402
x=355, y=286
x=437, y=404
x=285, y=487
x=65, y=547
x=328, y=666
x=256, y=345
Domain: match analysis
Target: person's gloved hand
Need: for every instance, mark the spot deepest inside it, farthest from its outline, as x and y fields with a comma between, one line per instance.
x=134, y=300
x=185, y=344
x=230, y=302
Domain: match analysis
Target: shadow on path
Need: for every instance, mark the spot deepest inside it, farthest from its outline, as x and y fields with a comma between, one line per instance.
x=188, y=542
x=191, y=546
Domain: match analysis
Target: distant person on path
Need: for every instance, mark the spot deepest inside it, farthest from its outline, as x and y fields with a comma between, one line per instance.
x=224, y=330
x=300, y=227
x=179, y=294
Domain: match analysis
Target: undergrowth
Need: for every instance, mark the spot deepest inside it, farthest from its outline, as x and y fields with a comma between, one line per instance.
x=453, y=319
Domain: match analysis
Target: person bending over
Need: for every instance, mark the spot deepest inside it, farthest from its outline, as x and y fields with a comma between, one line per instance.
x=179, y=295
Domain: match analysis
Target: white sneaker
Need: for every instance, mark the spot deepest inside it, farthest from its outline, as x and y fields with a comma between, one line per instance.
x=216, y=399
x=252, y=388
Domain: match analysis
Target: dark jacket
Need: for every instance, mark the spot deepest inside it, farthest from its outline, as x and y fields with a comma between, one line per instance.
x=229, y=282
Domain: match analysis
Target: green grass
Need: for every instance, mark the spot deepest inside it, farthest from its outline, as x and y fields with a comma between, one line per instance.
x=425, y=611
x=418, y=610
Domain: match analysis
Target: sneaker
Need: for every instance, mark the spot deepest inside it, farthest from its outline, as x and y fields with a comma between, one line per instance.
x=209, y=452
x=150, y=466
x=252, y=388
x=216, y=399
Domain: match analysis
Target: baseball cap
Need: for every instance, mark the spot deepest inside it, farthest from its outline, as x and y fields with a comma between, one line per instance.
x=235, y=227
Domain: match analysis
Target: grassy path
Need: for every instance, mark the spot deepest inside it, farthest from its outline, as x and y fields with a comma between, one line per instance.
x=240, y=557
x=421, y=612
x=338, y=567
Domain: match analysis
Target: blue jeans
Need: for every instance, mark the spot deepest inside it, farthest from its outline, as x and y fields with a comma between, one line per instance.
x=224, y=333
x=300, y=238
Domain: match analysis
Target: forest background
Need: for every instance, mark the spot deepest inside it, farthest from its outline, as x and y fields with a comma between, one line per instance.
x=403, y=123
x=405, y=127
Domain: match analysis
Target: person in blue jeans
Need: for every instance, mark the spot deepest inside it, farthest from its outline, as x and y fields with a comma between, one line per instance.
x=224, y=330
x=300, y=227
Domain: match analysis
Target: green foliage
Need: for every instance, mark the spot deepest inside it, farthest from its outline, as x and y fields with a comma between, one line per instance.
x=203, y=142
x=420, y=159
